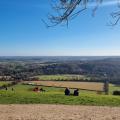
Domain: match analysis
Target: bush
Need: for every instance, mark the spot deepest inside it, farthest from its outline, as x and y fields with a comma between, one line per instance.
x=116, y=92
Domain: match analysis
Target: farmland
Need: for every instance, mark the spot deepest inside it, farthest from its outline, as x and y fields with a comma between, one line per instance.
x=80, y=85
x=60, y=68
x=63, y=77
x=54, y=75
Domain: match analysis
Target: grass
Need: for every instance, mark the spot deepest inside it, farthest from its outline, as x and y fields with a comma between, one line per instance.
x=23, y=94
x=113, y=88
x=62, y=77
x=4, y=83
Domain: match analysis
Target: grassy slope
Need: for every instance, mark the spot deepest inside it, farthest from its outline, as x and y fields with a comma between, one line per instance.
x=24, y=95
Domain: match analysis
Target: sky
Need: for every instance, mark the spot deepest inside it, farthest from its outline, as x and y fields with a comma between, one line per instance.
x=22, y=33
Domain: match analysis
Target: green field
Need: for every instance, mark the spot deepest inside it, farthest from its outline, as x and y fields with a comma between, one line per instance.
x=62, y=77
x=23, y=94
x=113, y=88
x=3, y=83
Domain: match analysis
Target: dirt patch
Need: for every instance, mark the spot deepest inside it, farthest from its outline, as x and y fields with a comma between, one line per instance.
x=58, y=112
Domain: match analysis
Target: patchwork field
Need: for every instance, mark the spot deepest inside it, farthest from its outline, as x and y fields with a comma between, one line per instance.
x=63, y=77
x=80, y=85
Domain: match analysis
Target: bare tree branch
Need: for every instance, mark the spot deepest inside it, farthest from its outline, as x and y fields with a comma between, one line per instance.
x=116, y=17
x=66, y=10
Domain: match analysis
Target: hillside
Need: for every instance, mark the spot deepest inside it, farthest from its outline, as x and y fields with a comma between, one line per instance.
x=97, y=68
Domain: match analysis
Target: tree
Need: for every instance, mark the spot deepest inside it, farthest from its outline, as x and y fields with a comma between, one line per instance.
x=66, y=10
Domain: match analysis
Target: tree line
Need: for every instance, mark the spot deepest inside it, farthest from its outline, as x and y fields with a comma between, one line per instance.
x=96, y=69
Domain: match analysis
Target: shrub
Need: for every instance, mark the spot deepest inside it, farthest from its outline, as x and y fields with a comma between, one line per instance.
x=116, y=92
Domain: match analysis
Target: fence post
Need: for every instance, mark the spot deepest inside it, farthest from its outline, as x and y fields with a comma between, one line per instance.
x=106, y=87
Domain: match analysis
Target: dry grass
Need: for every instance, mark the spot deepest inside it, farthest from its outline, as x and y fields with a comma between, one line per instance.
x=80, y=85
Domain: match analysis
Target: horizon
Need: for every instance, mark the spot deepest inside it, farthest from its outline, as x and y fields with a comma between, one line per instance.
x=60, y=56
x=66, y=56
x=22, y=33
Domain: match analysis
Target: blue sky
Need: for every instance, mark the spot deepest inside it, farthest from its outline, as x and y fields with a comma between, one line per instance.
x=22, y=32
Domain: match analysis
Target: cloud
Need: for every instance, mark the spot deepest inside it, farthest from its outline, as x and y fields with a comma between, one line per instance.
x=110, y=3
x=106, y=3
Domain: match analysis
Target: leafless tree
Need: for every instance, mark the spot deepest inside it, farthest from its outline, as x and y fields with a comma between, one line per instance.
x=65, y=10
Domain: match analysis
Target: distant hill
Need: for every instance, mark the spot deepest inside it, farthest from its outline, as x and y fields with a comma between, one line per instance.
x=96, y=67
x=57, y=58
